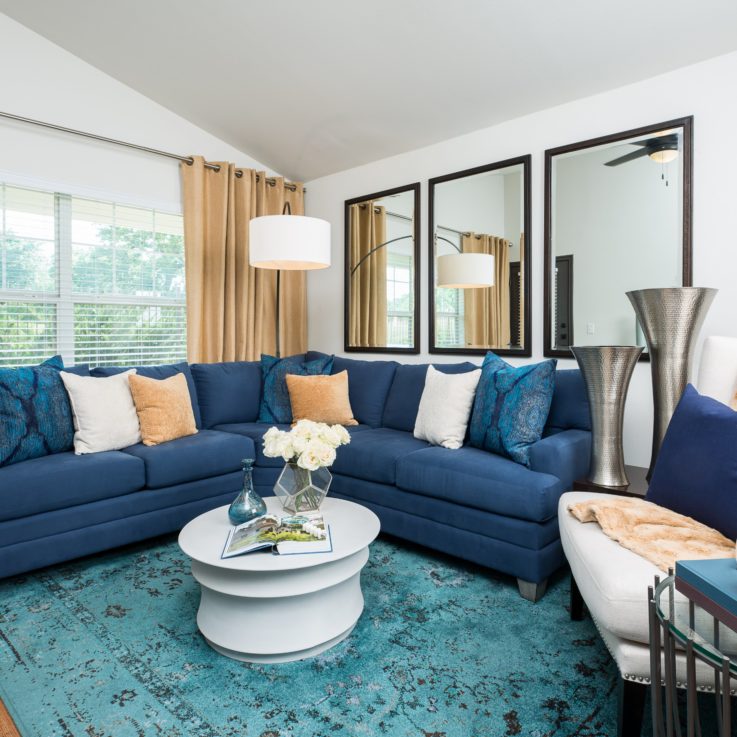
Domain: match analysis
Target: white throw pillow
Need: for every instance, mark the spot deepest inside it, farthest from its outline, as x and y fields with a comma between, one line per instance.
x=445, y=407
x=104, y=414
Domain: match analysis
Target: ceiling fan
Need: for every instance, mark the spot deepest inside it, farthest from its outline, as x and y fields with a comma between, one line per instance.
x=661, y=149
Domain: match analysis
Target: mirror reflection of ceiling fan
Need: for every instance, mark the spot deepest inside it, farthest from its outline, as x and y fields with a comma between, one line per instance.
x=661, y=149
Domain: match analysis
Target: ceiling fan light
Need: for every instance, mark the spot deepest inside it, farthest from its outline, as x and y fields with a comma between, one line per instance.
x=664, y=156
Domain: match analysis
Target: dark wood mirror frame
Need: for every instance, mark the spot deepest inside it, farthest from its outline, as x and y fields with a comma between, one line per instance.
x=526, y=350
x=687, y=247
x=415, y=188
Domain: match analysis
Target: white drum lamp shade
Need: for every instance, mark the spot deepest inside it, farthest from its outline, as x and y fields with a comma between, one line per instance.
x=466, y=270
x=289, y=242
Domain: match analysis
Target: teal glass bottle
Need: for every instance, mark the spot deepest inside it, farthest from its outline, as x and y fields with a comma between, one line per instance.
x=248, y=504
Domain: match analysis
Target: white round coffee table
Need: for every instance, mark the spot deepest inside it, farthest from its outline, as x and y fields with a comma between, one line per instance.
x=266, y=608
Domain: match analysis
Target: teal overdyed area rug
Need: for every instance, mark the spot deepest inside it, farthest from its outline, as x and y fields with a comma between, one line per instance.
x=108, y=647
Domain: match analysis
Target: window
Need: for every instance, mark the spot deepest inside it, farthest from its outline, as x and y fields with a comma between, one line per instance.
x=400, y=307
x=98, y=282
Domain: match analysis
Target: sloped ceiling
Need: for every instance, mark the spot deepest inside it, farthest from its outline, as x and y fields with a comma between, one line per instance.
x=314, y=87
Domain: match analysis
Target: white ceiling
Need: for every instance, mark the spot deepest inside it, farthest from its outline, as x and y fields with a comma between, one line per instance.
x=314, y=87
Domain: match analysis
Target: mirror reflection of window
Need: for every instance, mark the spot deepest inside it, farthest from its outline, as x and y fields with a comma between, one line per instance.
x=616, y=225
x=381, y=245
x=481, y=212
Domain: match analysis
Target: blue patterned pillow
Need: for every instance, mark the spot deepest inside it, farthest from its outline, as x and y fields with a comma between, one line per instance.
x=511, y=407
x=275, y=404
x=35, y=415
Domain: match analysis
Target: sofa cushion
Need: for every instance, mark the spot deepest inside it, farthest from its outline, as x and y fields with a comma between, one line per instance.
x=256, y=430
x=511, y=407
x=65, y=480
x=275, y=405
x=403, y=400
x=228, y=392
x=159, y=372
x=368, y=386
x=208, y=453
x=35, y=414
x=476, y=478
x=696, y=470
x=570, y=406
x=373, y=455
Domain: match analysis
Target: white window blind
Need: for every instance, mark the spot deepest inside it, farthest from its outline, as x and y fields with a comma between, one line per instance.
x=98, y=282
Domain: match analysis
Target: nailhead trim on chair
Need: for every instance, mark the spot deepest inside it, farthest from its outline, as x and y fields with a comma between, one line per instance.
x=645, y=679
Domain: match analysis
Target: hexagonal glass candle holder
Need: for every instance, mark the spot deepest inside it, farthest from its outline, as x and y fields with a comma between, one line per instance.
x=300, y=490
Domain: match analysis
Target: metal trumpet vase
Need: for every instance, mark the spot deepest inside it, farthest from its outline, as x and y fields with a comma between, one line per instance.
x=300, y=490
x=607, y=370
x=671, y=320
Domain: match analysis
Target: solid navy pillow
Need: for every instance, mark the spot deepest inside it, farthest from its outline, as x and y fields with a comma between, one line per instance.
x=228, y=392
x=159, y=372
x=403, y=401
x=696, y=470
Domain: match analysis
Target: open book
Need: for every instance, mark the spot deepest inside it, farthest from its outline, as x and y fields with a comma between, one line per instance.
x=301, y=533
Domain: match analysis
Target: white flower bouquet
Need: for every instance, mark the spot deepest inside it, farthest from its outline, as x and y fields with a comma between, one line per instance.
x=307, y=449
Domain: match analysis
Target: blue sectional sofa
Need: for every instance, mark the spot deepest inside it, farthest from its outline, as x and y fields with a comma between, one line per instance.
x=468, y=502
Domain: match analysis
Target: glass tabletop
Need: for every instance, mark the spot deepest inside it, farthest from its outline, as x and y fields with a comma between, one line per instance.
x=687, y=621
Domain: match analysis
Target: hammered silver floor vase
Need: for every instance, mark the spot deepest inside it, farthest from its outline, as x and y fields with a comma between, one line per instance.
x=607, y=370
x=671, y=320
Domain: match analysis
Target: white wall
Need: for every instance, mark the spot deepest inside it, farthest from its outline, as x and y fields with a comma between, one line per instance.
x=40, y=80
x=700, y=90
x=622, y=222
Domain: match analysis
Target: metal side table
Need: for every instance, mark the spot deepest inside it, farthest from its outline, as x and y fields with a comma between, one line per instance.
x=698, y=635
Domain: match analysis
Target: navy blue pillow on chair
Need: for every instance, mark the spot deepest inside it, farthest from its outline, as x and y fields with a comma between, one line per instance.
x=35, y=412
x=276, y=406
x=696, y=470
x=511, y=407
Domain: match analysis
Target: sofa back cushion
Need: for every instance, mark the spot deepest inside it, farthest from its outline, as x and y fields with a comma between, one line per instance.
x=368, y=385
x=403, y=401
x=228, y=392
x=159, y=372
x=570, y=406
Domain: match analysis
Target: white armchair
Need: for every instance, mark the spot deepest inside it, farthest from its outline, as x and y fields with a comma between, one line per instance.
x=613, y=582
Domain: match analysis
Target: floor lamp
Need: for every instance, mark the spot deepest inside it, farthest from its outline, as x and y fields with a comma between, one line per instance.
x=288, y=243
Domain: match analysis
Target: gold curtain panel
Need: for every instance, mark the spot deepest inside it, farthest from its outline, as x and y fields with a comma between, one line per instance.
x=230, y=305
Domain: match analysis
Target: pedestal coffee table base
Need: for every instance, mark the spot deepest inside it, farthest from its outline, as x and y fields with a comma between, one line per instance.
x=283, y=615
x=281, y=657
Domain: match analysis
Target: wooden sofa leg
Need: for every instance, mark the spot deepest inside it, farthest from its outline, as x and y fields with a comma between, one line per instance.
x=532, y=591
x=576, y=601
x=631, y=708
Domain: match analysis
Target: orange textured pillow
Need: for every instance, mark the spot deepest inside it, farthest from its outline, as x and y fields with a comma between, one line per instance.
x=321, y=398
x=164, y=408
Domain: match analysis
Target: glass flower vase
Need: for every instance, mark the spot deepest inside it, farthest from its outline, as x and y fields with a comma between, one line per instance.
x=300, y=490
x=248, y=504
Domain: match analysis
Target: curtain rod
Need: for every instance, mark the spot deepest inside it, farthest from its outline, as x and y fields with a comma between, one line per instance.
x=157, y=152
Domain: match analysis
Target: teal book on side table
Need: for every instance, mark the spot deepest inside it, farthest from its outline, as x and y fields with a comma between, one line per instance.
x=712, y=585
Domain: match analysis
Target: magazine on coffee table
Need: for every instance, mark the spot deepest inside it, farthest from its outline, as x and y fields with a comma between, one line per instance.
x=293, y=535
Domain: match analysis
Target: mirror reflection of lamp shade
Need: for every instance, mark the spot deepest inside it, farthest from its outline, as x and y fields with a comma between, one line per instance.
x=465, y=270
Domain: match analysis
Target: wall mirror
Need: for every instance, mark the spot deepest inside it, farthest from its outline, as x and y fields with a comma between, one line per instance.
x=617, y=218
x=382, y=278
x=479, y=273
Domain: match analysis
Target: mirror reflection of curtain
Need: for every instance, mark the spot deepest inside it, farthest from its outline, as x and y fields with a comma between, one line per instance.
x=368, y=303
x=487, y=313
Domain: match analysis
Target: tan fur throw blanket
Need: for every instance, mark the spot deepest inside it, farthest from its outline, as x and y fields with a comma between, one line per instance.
x=657, y=534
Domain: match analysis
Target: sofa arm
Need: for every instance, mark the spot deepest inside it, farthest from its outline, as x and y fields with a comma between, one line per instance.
x=566, y=454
